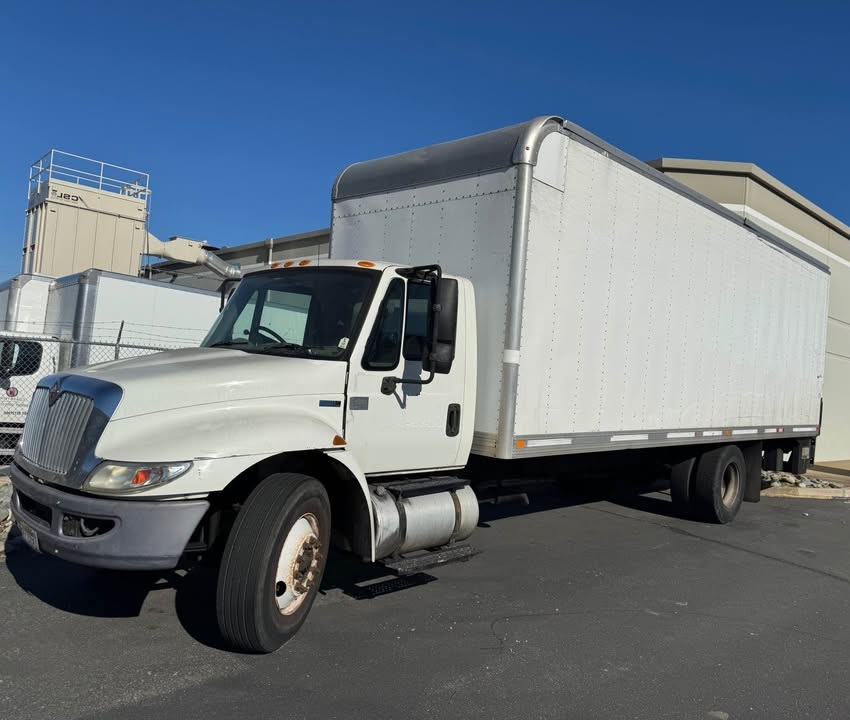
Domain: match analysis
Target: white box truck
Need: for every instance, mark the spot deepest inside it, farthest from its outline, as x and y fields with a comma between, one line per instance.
x=520, y=302
x=51, y=324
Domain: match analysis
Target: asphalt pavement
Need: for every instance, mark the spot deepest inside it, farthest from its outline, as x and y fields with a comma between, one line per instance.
x=575, y=608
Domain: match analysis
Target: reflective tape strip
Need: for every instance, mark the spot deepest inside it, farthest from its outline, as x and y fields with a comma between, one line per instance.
x=511, y=356
x=711, y=433
x=681, y=434
x=748, y=431
x=803, y=429
x=627, y=438
x=548, y=442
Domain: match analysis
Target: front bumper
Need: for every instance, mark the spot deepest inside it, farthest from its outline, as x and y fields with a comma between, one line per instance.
x=130, y=534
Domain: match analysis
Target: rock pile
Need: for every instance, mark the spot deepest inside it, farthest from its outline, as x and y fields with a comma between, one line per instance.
x=779, y=479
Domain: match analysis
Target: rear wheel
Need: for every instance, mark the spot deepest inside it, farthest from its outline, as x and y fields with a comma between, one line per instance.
x=719, y=484
x=273, y=562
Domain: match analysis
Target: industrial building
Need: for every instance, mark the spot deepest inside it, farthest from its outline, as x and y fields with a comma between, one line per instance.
x=250, y=256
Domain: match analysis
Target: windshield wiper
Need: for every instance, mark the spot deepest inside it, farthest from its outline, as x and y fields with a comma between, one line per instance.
x=272, y=347
x=228, y=343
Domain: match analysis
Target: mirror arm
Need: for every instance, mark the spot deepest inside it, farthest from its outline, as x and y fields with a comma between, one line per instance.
x=389, y=384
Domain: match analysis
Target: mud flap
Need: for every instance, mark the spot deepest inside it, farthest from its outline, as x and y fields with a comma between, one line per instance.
x=752, y=459
x=681, y=475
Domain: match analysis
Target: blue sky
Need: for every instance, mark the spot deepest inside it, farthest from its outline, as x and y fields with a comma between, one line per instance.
x=243, y=113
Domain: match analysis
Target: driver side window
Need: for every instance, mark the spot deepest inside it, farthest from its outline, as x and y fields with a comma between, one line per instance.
x=384, y=347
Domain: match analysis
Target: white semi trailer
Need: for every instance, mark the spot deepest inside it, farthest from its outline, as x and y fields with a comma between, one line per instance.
x=520, y=302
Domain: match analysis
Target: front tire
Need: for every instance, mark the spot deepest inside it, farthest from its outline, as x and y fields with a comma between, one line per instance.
x=273, y=562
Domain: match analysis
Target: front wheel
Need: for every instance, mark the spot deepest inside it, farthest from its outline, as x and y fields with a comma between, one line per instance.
x=273, y=562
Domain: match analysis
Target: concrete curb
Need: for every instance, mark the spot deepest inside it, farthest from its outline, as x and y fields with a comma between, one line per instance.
x=807, y=492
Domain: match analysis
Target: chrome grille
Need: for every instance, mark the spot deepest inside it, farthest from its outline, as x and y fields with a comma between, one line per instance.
x=52, y=435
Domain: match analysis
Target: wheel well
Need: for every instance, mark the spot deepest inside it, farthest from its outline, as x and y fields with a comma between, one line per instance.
x=350, y=528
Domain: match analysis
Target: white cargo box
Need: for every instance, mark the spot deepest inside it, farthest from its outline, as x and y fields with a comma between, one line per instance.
x=616, y=307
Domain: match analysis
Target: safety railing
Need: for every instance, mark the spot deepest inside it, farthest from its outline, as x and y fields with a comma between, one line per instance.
x=84, y=171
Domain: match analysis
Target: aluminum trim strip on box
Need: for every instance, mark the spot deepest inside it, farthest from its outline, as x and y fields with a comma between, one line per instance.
x=540, y=445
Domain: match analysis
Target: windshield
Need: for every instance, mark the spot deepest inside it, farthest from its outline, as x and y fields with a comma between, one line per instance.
x=308, y=312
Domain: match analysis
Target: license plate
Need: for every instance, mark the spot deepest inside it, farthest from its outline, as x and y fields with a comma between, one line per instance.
x=29, y=535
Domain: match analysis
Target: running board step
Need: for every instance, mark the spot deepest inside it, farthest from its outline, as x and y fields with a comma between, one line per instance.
x=431, y=559
x=424, y=486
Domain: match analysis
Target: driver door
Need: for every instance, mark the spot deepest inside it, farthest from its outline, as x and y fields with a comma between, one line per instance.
x=413, y=429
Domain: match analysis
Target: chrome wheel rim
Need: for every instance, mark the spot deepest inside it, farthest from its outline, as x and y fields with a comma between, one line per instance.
x=298, y=564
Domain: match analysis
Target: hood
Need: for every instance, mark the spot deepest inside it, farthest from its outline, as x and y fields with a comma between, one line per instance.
x=200, y=376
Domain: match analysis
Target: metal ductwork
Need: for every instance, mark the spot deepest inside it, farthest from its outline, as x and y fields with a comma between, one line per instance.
x=192, y=251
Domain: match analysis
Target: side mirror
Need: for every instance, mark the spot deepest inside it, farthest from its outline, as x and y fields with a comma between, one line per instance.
x=439, y=358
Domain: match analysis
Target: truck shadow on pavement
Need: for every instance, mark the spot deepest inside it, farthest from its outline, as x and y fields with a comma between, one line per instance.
x=76, y=589
x=119, y=594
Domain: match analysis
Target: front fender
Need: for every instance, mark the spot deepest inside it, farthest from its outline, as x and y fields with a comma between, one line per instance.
x=225, y=439
x=222, y=430
x=228, y=436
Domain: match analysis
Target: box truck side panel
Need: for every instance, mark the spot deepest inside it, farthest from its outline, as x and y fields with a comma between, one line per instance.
x=464, y=224
x=61, y=308
x=647, y=314
x=153, y=313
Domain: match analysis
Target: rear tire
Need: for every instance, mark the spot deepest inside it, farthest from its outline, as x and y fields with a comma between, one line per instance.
x=273, y=562
x=719, y=484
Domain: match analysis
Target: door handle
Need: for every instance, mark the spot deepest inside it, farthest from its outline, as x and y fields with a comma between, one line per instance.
x=453, y=420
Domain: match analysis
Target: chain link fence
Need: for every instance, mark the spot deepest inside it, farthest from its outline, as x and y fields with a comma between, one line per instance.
x=26, y=359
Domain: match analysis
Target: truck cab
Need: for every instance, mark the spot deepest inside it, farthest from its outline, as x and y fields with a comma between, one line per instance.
x=375, y=321
x=320, y=385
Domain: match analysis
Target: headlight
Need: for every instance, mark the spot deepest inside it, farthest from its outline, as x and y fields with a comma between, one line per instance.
x=121, y=478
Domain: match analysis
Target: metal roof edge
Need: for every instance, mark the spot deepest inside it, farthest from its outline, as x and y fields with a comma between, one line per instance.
x=484, y=152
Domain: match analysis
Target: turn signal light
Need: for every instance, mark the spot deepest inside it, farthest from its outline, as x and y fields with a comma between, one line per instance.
x=337, y=441
x=141, y=477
